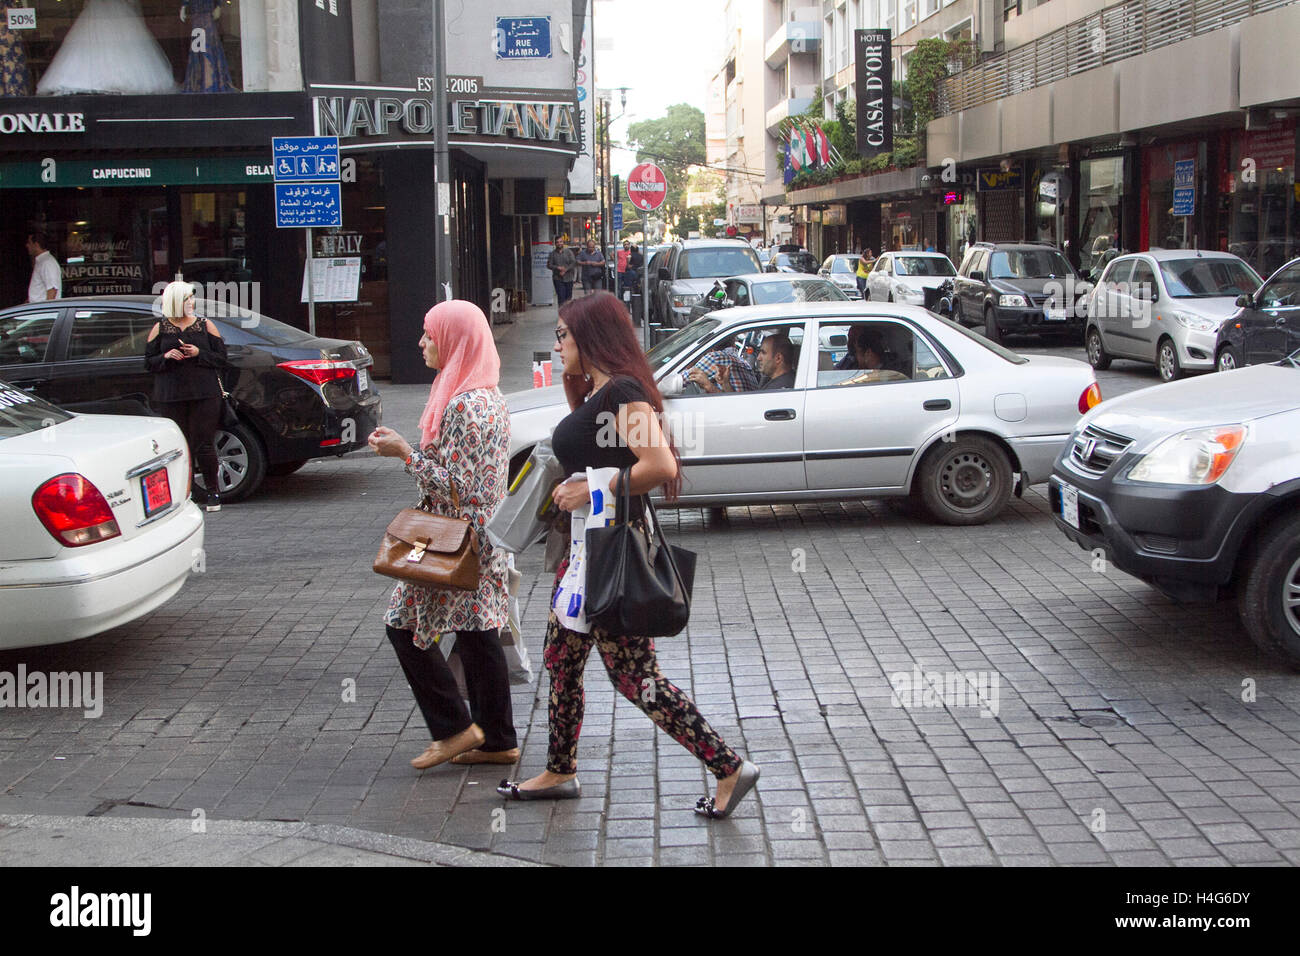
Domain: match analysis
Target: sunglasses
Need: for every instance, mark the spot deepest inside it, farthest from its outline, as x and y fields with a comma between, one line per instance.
x=561, y=334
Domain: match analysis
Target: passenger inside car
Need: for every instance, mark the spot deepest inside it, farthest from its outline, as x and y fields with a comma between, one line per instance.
x=776, y=360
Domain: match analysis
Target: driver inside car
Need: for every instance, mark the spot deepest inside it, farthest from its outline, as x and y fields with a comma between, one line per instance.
x=868, y=351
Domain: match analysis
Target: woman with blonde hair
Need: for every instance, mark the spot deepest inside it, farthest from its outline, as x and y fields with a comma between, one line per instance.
x=463, y=456
x=186, y=354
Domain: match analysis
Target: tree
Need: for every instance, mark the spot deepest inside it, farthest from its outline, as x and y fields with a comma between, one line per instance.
x=674, y=142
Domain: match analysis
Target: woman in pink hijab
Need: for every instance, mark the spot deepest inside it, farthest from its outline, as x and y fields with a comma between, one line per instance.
x=465, y=441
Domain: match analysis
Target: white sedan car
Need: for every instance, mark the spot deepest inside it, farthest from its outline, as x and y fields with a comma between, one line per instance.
x=904, y=276
x=950, y=419
x=98, y=525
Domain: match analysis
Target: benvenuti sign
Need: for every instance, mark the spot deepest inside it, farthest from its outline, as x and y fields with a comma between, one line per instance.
x=395, y=117
x=874, y=71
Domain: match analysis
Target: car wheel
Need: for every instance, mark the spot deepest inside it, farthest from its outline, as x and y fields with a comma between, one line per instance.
x=241, y=462
x=1097, y=356
x=1167, y=361
x=991, y=326
x=1269, y=602
x=1228, y=359
x=967, y=481
x=284, y=468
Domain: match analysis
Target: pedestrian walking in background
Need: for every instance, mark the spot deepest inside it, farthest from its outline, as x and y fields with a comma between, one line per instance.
x=605, y=371
x=47, y=278
x=563, y=265
x=866, y=262
x=186, y=355
x=592, y=264
x=465, y=443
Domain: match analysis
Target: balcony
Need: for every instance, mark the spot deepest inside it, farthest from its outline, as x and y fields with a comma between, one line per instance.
x=1115, y=33
x=800, y=99
x=799, y=35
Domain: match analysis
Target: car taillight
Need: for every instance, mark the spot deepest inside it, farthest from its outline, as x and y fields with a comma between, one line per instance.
x=1090, y=398
x=73, y=510
x=318, y=372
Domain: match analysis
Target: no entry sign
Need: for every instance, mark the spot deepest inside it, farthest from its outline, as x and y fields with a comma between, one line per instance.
x=647, y=187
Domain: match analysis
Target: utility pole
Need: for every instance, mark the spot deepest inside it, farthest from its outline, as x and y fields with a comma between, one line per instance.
x=441, y=155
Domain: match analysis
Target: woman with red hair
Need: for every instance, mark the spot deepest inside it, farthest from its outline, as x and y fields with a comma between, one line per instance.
x=607, y=378
x=463, y=457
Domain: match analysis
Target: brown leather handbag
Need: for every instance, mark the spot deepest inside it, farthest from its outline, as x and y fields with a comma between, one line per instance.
x=433, y=550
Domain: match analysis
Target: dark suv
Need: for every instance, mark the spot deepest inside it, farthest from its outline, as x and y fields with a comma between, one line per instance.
x=1012, y=287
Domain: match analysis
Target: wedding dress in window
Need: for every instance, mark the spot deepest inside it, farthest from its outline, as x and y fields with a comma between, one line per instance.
x=108, y=50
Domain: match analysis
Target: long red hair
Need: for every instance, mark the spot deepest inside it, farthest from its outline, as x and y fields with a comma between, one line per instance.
x=603, y=333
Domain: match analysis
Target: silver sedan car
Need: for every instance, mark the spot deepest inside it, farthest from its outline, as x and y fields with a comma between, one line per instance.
x=927, y=409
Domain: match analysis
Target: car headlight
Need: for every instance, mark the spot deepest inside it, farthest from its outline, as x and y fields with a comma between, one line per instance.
x=903, y=292
x=1194, y=322
x=1199, y=456
x=1013, y=301
x=686, y=300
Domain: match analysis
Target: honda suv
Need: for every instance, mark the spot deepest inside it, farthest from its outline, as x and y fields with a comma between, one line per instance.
x=1018, y=287
x=1194, y=487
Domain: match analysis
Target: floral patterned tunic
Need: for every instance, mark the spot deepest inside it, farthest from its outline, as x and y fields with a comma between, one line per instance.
x=472, y=449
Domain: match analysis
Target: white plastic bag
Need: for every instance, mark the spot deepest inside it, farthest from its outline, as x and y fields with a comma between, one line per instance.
x=571, y=596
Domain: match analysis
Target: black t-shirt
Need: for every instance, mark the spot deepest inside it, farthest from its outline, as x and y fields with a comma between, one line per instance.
x=588, y=437
x=188, y=379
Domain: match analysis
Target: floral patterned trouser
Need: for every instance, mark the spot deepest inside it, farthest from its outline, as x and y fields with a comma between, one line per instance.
x=634, y=669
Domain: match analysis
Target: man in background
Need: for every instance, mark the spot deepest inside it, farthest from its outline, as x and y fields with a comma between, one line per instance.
x=47, y=277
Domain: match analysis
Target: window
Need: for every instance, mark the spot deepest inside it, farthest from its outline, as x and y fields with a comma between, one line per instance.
x=874, y=353
x=22, y=414
x=1029, y=264
x=1283, y=292
x=715, y=263
x=796, y=290
x=735, y=362
x=1208, y=278
x=1010, y=9
x=924, y=266
x=109, y=333
x=25, y=337
x=1144, y=278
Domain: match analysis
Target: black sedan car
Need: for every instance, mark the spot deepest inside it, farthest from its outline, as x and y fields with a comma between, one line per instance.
x=1267, y=329
x=298, y=397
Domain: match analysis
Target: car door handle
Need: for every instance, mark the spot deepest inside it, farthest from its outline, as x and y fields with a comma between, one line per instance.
x=779, y=414
x=936, y=405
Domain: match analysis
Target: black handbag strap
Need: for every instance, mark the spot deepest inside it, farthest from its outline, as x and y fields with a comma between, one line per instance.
x=624, y=507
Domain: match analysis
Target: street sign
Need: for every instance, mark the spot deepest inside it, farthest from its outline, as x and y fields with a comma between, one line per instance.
x=555, y=205
x=523, y=38
x=647, y=187
x=1184, y=187
x=616, y=217
x=304, y=158
x=308, y=204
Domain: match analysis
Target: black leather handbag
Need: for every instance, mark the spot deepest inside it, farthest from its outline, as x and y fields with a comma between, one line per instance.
x=637, y=583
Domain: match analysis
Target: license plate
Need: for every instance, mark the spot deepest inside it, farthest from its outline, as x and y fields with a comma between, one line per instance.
x=363, y=380
x=1054, y=315
x=156, y=491
x=1070, y=505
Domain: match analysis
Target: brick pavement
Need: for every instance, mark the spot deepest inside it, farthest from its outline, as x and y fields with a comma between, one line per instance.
x=1120, y=737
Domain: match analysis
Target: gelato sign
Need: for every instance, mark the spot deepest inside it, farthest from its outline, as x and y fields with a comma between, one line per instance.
x=359, y=117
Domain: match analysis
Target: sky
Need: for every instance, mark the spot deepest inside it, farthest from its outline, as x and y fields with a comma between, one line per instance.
x=664, y=51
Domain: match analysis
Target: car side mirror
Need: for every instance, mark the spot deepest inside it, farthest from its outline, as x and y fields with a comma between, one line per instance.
x=1246, y=301
x=977, y=275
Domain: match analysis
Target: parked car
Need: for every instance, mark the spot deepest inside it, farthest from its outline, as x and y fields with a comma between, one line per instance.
x=98, y=524
x=842, y=269
x=1164, y=307
x=1005, y=287
x=1267, y=327
x=298, y=396
x=801, y=261
x=1194, y=487
x=685, y=271
x=904, y=276
x=952, y=420
x=767, y=289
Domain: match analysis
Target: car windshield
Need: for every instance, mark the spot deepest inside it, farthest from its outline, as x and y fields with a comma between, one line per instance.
x=253, y=325
x=806, y=290
x=1028, y=264
x=716, y=263
x=674, y=345
x=799, y=261
x=21, y=414
x=1208, y=278
x=922, y=266
x=844, y=265
x=997, y=350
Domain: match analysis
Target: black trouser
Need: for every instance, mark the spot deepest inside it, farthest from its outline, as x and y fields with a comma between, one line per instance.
x=439, y=698
x=198, y=419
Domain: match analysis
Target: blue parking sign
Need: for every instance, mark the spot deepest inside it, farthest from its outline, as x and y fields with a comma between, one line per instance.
x=616, y=217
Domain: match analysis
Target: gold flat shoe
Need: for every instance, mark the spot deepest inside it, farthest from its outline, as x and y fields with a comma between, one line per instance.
x=440, y=751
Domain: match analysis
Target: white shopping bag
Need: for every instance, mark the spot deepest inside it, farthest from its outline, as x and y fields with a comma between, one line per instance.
x=571, y=596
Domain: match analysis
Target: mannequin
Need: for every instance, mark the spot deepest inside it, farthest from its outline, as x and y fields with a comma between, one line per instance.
x=108, y=50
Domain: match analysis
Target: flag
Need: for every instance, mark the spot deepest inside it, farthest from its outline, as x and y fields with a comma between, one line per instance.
x=811, y=139
x=789, y=165
x=794, y=152
x=824, y=146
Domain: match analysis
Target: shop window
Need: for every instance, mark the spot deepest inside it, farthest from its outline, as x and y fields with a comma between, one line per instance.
x=212, y=227
x=1264, y=211
x=140, y=47
x=111, y=242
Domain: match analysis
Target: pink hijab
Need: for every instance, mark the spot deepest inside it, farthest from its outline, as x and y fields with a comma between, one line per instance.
x=468, y=355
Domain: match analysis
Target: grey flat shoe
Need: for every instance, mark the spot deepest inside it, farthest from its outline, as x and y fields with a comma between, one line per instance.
x=569, y=790
x=749, y=774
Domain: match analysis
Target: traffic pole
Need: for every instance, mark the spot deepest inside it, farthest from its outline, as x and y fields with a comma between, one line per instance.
x=645, y=281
